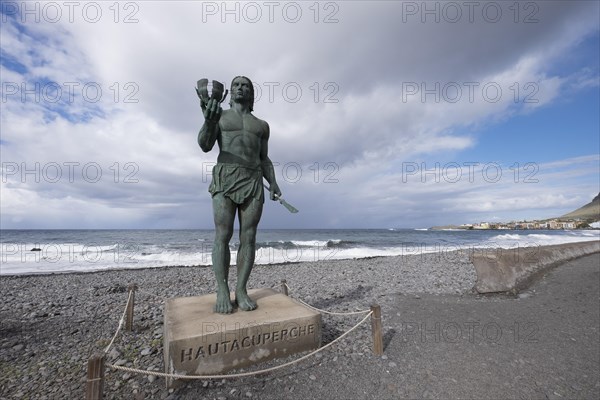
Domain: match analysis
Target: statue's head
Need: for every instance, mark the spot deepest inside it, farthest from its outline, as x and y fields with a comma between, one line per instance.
x=249, y=92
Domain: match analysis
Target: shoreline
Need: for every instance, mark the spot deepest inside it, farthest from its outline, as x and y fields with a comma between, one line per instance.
x=278, y=264
x=66, y=252
x=429, y=261
x=471, y=250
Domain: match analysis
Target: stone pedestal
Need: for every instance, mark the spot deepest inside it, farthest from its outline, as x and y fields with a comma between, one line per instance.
x=198, y=341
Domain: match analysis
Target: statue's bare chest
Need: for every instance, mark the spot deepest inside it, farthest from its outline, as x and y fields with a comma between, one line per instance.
x=241, y=134
x=236, y=124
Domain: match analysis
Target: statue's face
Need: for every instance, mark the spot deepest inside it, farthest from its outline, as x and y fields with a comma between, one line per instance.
x=241, y=89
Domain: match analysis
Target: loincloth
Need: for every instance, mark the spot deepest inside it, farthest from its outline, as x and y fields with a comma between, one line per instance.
x=238, y=182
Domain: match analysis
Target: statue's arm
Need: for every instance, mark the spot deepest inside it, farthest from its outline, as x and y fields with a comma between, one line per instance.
x=210, y=130
x=208, y=135
x=267, y=165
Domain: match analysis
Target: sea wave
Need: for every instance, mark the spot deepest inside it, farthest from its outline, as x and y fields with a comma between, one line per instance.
x=18, y=258
x=540, y=239
x=317, y=243
x=289, y=244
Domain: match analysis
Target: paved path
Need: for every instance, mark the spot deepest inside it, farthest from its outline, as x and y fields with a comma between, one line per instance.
x=544, y=344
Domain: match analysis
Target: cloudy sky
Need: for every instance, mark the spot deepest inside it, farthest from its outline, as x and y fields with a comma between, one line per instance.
x=382, y=114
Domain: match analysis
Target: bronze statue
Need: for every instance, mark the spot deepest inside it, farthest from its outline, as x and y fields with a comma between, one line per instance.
x=237, y=181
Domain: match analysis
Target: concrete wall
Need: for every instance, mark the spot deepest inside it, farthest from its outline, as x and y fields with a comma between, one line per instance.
x=501, y=270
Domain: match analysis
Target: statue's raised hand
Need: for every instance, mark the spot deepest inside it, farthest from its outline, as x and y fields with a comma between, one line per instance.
x=212, y=112
x=210, y=103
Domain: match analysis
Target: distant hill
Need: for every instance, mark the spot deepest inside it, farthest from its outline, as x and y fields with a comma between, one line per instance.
x=591, y=211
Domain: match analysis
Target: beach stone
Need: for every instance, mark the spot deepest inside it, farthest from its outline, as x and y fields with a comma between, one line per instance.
x=199, y=341
x=146, y=351
x=113, y=353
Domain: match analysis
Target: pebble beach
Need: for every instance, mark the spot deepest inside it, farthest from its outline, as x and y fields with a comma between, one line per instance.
x=52, y=324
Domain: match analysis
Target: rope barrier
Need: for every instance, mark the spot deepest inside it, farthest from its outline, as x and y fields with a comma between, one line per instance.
x=242, y=374
x=329, y=312
x=237, y=375
x=332, y=312
x=152, y=294
x=121, y=321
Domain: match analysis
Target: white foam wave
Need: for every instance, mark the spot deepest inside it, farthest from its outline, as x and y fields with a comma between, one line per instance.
x=508, y=236
x=540, y=239
x=69, y=257
x=315, y=243
x=271, y=255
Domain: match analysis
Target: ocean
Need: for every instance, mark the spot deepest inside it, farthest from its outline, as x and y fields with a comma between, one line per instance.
x=60, y=251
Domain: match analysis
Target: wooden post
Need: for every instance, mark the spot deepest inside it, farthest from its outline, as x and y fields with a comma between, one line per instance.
x=284, y=288
x=130, y=304
x=95, y=377
x=377, y=331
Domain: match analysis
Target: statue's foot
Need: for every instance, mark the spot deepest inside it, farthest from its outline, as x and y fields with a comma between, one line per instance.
x=223, y=305
x=244, y=301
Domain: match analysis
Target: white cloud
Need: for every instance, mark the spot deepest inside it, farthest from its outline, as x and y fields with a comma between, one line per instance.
x=366, y=61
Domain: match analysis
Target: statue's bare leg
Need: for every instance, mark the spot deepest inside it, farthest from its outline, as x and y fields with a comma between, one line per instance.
x=249, y=215
x=224, y=215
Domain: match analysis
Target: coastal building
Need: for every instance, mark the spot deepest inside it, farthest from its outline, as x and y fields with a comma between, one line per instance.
x=482, y=225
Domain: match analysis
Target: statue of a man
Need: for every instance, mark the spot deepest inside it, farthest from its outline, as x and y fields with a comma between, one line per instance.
x=237, y=185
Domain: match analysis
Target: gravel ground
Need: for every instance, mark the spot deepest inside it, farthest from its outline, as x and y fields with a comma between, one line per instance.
x=541, y=343
x=51, y=324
